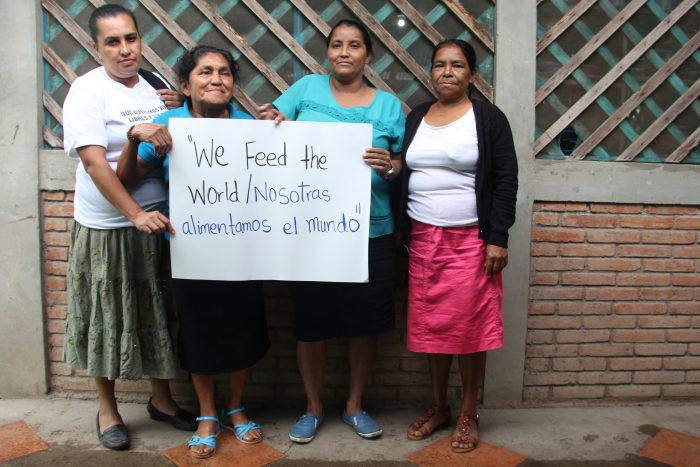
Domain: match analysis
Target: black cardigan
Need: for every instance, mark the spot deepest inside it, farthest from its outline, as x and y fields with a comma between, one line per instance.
x=496, y=173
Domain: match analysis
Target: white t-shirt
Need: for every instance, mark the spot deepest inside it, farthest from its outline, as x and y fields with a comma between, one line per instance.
x=99, y=111
x=443, y=161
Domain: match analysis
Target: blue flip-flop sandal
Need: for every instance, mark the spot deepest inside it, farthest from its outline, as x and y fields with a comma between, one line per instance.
x=207, y=440
x=240, y=429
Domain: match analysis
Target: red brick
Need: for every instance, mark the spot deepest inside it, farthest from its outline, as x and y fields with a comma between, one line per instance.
x=692, y=376
x=549, y=379
x=685, y=308
x=57, y=238
x=70, y=196
x=55, y=326
x=686, y=251
x=638, y=279
x=683, y=335
x=609, y=322
x=584, y=308
x=630, y=391
x=579, y=364
x=613, y=236
x=647, y=350
x=544, y=278
x=692, y=280
x=405, y=364
x=658, y=377
x=544, y=249
x=59, y=369
x=644, y=251
x=537, y=364
x=616, y=208
x=604, y=377
x=682, y=390
x=612, y=293
x=56, y=298
x=56, y=268
x=55, y=340
x=587, y=250
x=635, y=363
x=606, y=350
x=669, y=265
x=696, y=322
x=57, y=225
x=560, y=207
x=556, y=293
x=636, y=308
x=672, y=210
x=53, y=195
x=553, y=322
x=664, y=321
x=558, y=264
x=694, y=349
x=613, y=264
x=540, y=337
x=578, y=392
x=56, y=312
x=57, y=210
x=669, y=293
x=688, y=223
x=548, y=350
x=542, y=308
x=588, y=278
x=55, y=283
x=545, y=218
x=540, y=234
x=55, y=253
x=646, y=222
x=588, y=220
x=536, y=393
x=682, y=363
x=638, y=335
x=668, y=237
x=570, y=337
x=56, y=354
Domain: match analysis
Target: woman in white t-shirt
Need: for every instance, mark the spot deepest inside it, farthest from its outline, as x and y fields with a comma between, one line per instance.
x=118, y=323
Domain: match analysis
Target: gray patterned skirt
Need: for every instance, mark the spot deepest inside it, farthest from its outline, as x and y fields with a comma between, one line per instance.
x=119, y=322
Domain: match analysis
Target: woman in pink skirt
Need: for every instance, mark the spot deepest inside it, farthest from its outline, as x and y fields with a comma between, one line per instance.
x=459, y=192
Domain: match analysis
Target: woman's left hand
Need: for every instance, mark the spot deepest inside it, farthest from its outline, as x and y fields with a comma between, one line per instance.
x=170, y=97
x=379, y=159
x=496, y=259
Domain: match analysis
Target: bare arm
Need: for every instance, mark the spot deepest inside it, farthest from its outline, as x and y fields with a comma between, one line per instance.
x=106, y=180
x=130, y=168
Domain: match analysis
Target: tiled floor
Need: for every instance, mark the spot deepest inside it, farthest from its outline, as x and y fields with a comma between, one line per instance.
x=673, y=448
x=440, y=454
x=229, y=452
x=17, y=440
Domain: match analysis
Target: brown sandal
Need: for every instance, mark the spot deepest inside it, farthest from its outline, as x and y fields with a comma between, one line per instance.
x=463, y=432
x=428, y=415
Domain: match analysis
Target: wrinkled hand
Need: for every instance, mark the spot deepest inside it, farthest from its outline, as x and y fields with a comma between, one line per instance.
x=270, y=112
x=496, y=259
x=379, y=159
x=155, y=134
x=171, y=98
x=152, y=223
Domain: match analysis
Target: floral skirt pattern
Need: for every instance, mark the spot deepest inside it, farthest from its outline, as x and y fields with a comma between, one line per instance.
x=119, y=323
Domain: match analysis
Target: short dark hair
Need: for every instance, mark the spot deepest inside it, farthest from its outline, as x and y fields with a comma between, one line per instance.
x=353, y=24
x=190, y=58
x=464, y=46
x=109, y=10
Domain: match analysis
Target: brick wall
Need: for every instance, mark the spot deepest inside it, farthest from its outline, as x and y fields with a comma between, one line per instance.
x=614, y=307
x=400, y=379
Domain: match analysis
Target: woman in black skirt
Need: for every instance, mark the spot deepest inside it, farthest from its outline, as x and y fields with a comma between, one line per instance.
x=222, y=324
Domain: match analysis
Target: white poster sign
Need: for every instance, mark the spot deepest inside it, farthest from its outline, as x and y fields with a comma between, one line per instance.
x=250, y=200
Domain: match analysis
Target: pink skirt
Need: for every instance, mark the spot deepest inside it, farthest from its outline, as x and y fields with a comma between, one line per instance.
x=453, y=306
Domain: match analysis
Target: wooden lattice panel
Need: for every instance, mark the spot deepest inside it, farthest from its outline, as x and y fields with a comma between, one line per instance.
x=618, y=80
x=275, y=41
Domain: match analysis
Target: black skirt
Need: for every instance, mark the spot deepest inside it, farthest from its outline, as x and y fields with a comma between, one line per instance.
x=222, y=326
x=323, y=310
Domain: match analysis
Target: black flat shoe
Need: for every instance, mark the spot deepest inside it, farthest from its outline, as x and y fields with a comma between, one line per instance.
x=182, y=420
x=115, y=437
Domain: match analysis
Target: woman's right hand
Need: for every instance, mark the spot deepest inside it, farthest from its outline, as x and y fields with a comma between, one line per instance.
x=270, y=112
x=157, y=135
x=152, y=222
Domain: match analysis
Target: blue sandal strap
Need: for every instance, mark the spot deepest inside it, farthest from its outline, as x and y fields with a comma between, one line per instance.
x=208, y=441
x=209, y=419
x=231, y=412
x=242, y=430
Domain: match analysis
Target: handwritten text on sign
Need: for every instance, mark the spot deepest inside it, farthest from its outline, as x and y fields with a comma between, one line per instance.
x=250, y=200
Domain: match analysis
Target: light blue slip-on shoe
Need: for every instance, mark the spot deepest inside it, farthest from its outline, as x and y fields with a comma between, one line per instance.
x=304, y=430
x=363, y=424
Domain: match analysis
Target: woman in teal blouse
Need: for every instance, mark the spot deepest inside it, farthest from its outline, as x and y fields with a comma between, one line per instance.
x=358, y=311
